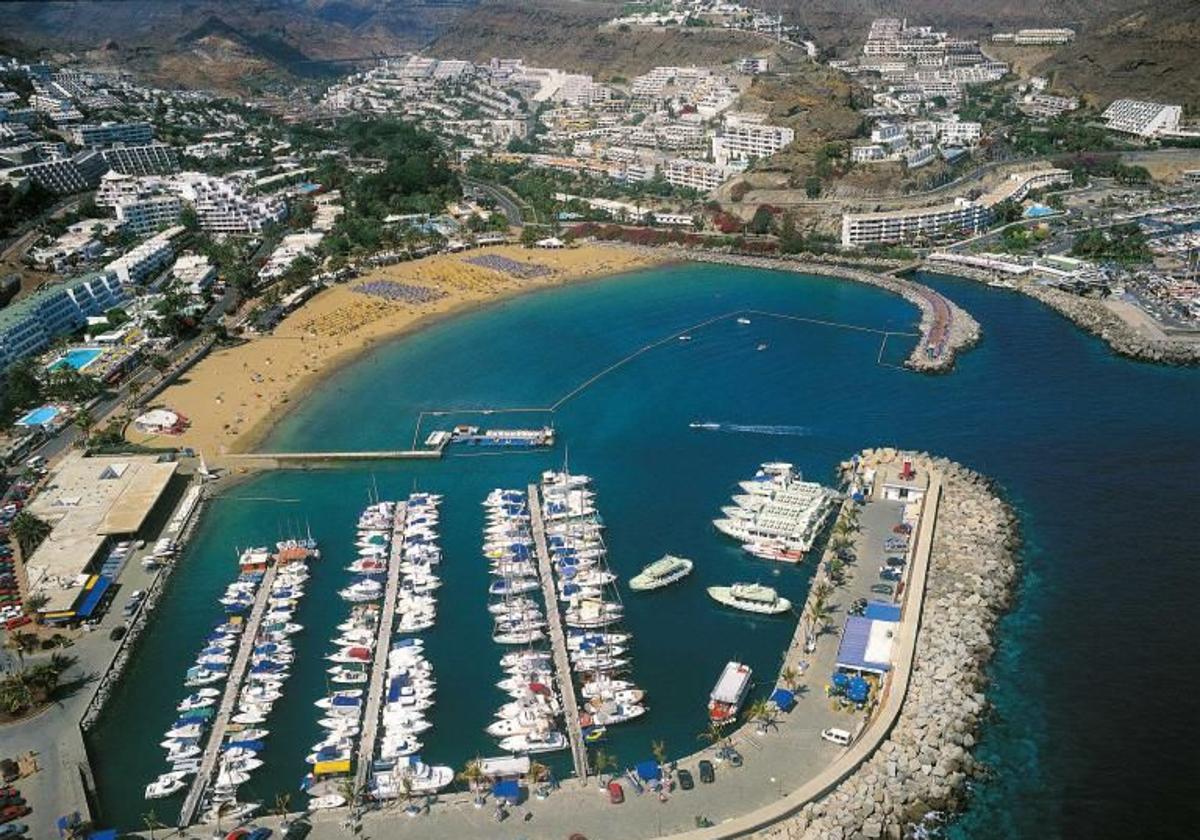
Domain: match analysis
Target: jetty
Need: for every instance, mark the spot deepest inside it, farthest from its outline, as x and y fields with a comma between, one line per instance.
x=558, y=637
x=233, y=685
x=379, y=665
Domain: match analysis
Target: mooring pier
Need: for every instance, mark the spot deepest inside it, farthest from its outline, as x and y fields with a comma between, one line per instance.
x=558, y=638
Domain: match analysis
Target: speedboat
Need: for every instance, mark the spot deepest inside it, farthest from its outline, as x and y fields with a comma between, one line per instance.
x=534, y=742
x=660, y=573
x=166, y=785
x=326, y=802
x=750, y=597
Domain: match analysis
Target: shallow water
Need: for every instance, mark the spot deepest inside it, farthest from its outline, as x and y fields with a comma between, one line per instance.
x=1097, y=453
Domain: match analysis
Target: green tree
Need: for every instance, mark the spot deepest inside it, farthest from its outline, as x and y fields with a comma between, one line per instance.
x=602, y=761
x=763, y=221
x=29, y=532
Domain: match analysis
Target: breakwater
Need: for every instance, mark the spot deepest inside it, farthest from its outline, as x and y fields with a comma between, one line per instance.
x=1090, y=315
x=946, y=329
x=924, y=764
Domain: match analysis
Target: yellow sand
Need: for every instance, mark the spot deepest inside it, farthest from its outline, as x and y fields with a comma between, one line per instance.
x=233, y=396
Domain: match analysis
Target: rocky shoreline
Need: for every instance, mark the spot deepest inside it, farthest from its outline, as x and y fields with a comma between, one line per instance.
x=1092, y=316
x=925, y=763
x=934, y=353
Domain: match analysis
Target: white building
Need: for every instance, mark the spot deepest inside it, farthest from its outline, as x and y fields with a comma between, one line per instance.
x=1037, y=37
x=195, y=272
x=745, y=136
x=97, y=135
x=1145, y=119
x=67, y=175
x=150, y=159
x=694, y=174
x=146, y=214
x=147, y=259
x=222, y=206
x=32, y=323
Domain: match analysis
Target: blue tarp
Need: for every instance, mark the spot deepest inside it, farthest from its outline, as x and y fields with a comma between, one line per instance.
x=92, y=599
x=105, y=834
x=882, y=611
x=852, y=651
x=783, y=699
x=508, y=789
x=648, y=771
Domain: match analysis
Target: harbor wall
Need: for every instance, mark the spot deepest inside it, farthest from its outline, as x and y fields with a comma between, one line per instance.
x=1090, y=315
x=925, y=762
x=946, y=329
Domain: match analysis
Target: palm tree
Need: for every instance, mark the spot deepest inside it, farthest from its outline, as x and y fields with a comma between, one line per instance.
x=15, y=696
x=790, y=677
x=537, y=772
x=602, y=762
x=222, y=809
x=763, y=713
x=283, y=804
x=29, y=531
x=152, y=822
x=35, y=602
x=84, y=422
x=713, y=734
x=472, y=775
x=817, y=615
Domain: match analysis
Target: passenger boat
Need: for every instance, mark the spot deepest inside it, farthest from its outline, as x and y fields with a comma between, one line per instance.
x=660, y=573
x=750, y=597
x=729, y=693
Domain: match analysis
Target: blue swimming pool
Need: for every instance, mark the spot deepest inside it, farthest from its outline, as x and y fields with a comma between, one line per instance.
x=40, y=416
x=78, y=358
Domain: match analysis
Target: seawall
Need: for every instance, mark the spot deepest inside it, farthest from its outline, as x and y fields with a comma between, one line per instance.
x=925, y=762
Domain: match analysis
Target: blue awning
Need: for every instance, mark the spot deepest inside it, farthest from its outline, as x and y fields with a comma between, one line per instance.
x=783, y=699
x=882, y=611
x=508, y=789
x=856, y=652
x=648, y=771
x=92, y=599
x=104, y=834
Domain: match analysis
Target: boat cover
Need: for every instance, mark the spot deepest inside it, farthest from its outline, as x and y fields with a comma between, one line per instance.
x=508, y=789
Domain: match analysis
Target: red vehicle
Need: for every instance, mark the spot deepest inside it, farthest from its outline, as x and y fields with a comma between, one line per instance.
x=616, y=793
x=13, y=812
x=19, y=621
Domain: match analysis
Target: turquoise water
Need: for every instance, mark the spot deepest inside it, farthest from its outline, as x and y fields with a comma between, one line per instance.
x=78, y=358
x=1096, y=452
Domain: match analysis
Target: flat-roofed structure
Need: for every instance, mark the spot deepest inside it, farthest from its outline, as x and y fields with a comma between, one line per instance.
x=87, y=502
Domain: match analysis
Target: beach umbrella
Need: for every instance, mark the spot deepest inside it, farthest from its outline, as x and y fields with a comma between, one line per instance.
x=858, y=690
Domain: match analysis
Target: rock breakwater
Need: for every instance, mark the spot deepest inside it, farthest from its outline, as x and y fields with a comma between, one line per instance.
x=925, y=762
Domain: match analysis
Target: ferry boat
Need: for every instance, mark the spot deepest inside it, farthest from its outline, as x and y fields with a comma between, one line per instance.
x=777, y=515
x=729, y=693
x=750, y=597
x=660, y=573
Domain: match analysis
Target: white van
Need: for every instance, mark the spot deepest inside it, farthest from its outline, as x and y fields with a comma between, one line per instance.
x=837, y=736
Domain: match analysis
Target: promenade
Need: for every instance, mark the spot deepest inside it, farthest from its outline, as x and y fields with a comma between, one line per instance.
x=558, y=638
x=383, y=644
x=233, y=686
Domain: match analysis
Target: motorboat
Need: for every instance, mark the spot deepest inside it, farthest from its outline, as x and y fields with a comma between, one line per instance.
x=166, y=785
x=750, y=597
x=326, y=802
x=662, y=572
x=729, y=693
x=534, y=742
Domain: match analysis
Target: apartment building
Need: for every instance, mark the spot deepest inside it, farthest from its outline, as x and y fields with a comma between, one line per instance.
x=31, y=324
x=694, y=174
x=80, y=172
x=147, y=259
x=99, y=135
x=222, y=206
x=194, y=272
x=961, y=217
x=146, y=214
x=1144, y=119
x=1045, y=105
x=150, y=159
x=1035, y=37
x=745, y=136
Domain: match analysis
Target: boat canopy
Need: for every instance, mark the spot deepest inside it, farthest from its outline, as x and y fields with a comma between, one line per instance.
x=91, y=598
x=505, y=765
x=867, y=645
x=325, y=768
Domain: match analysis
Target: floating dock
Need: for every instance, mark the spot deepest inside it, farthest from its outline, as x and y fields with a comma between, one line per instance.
x=383, y=644
x=233, y=686
x=500, y=438
x=558, y=638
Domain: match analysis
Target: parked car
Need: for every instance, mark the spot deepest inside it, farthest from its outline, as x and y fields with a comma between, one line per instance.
x=260, y=833
x=616, y=793
x=895, y=562
x=706, y=772
x=836, y=736
x=686, y=782
x=297, y=831
x=882, y=589
x=11, y=830
x=888, y=573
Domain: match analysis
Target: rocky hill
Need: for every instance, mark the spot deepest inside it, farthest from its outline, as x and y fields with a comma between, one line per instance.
x=1149, y=52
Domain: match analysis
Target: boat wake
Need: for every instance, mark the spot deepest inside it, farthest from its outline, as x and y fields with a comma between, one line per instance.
x=751, y=429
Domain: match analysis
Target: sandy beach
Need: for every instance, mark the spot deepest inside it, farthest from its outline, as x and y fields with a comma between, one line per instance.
x=233, y=396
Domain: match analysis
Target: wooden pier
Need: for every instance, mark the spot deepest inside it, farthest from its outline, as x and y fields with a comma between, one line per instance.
x=233, y=686
x=558, y=638
x=383, y=644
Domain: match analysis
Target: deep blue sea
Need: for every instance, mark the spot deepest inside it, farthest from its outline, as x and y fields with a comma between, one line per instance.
x=1095, y=676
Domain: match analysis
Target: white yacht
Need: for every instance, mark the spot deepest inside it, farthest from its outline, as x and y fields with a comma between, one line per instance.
x=750, y=597
x=660, y=573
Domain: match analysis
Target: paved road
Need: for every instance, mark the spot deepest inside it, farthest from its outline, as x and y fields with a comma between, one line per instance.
x=502, y=197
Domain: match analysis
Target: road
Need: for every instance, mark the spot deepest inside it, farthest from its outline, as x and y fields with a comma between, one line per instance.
x=502, y=198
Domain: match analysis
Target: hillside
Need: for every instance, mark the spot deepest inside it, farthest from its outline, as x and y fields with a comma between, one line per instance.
x=564, y=33
x=1152, y=52
x=218, y=42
